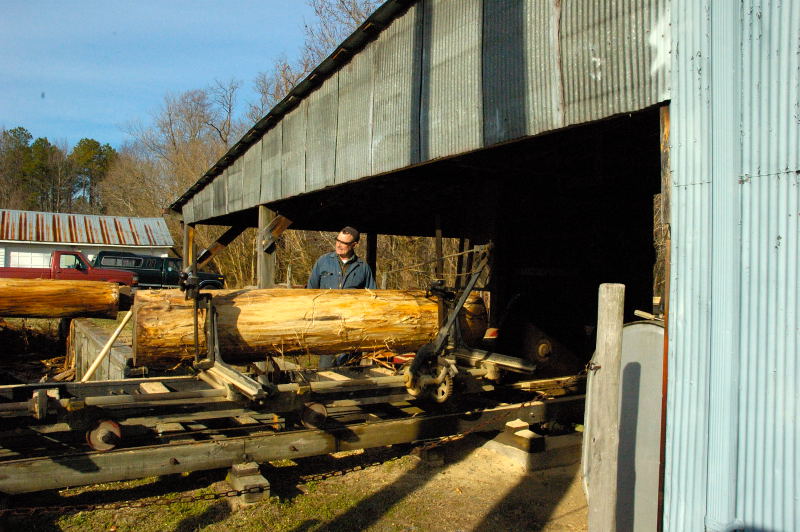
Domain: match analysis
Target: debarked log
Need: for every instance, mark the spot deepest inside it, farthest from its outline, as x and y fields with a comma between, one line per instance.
x=253, y=323
x=46, y=298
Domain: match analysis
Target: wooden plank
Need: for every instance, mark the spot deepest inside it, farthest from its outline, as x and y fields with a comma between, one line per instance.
x=603, y=414
x=153, y=387
x=332, y=375
x=36, y=474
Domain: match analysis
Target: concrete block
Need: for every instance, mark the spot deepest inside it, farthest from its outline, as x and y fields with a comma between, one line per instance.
x=540, y=452
x=245, y=476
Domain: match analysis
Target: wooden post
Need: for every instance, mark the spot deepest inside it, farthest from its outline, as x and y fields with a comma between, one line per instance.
x=439, y=253
x=188, y=244
x=666, y=193
x=372, y=253
x=265, y=262
x=459, y=264
x=604, y=412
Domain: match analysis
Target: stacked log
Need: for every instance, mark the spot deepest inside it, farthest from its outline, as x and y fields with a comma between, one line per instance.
x=256, y=323
x=45, y=298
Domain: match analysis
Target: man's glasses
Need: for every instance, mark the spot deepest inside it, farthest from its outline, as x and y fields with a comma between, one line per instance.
x=345, y=243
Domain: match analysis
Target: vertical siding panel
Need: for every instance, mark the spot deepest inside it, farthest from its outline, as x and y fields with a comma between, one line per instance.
x=271, y=164
x=451, y=117
x=504, y=75
x=604, y=45
x=354, y=139
x=395, y=102
x=321, y=135
x=685, y=488
x=293, y=155
x=233, y=187
x=251, y=176
x=768, y=483
x=544, y=109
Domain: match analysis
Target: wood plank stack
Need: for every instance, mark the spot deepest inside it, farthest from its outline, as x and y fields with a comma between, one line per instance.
x=260, y=322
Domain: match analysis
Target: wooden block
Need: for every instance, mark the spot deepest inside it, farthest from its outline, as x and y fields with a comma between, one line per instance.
x=332, y=375
x=153, y=387
x=246, y=420
x=168, y=428
x=516, y=424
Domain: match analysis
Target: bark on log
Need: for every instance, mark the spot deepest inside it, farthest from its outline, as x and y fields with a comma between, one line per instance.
x=45, y=298
x=253, y=323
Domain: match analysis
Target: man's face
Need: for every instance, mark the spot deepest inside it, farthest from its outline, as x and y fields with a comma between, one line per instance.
x=344, y=245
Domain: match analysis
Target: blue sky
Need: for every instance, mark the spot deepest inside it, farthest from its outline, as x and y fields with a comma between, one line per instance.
x=86, y=68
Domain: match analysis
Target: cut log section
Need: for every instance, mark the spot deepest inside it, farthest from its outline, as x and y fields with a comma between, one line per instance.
x=45, y=298
x=256, y=323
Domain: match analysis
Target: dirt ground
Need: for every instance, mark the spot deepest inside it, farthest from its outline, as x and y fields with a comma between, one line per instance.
x=388, y=489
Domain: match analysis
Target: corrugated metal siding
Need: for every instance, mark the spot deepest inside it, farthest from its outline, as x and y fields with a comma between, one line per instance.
x=30, y=226
x=732, y=416
x=451, y=118
x=395, y=105
x=322, y=137
x=188, y=212
x=218, y=193
x=612, y=57
x=768, y=482
x=271, y=164
x=251, y=176
x=234, y=187
x=293, y=151
x=690, y=297
x=544, y=104
x=447, y=77
x=505, y=84
x=354, y=142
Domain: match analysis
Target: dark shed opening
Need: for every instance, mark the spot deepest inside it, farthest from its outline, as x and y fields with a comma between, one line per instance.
x=566, y=211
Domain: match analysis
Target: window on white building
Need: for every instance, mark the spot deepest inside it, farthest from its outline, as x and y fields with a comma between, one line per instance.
x=29, y=259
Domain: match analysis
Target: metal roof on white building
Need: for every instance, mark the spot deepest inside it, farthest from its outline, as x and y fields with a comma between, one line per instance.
x=51, y=227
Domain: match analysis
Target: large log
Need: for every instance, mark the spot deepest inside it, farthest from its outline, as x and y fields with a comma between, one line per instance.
x=45, y=298
x=254, y=323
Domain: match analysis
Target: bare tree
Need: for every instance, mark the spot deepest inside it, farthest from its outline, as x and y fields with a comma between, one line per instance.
x=334, y=20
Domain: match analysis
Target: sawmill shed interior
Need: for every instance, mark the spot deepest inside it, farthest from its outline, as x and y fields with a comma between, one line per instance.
x=538, y=130
x=565, y=211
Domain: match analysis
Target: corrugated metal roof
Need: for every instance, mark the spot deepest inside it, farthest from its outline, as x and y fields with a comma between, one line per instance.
x=439, y=78
x=31, y=226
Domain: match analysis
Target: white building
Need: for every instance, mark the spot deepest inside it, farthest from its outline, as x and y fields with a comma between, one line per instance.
x=28, y=238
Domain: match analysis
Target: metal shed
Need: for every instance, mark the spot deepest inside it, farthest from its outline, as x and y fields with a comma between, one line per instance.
x=27, y=238
x=548, y=127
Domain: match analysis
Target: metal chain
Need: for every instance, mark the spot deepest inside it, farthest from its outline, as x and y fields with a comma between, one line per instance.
x=161, y=501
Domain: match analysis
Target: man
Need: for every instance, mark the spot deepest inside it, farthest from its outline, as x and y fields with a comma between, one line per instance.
x=342, y=268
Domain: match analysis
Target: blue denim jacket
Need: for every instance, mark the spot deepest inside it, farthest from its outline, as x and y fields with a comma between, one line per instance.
x=327, y=273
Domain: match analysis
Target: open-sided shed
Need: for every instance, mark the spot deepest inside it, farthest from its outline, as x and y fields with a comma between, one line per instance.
x=549, y=128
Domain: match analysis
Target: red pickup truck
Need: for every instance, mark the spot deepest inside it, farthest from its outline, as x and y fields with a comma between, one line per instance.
x=72, y=266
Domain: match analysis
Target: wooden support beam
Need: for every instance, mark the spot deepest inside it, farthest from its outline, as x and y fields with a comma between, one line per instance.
x=188, y=244
x=265, y=262
x=372, y=253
